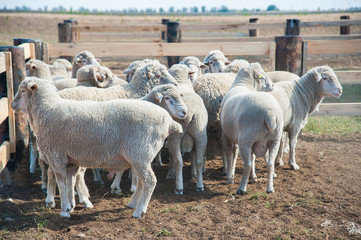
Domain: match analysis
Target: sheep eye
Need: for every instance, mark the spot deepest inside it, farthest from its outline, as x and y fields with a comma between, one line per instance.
x=166, y=98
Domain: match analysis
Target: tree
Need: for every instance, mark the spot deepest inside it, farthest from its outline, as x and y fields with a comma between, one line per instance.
x=203, y=9
x=161, y=10
x=171, y=10
x=272, y=8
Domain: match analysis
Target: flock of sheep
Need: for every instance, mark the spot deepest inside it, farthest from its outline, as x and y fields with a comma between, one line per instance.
x=83, y=116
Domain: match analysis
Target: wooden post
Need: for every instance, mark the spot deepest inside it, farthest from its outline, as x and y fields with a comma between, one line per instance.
x=64, y=35
x=173, y=36
x=19, y=167
x=289, y=54
x=74, y=35
x=293, y=27
x=345, y=30
x=164, y=22
x=253, y=32
x=38, y=46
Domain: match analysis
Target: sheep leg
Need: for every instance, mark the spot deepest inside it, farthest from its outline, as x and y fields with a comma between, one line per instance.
x=115, y=187
x=97, y=177
x=50, y=193
x=293, y=141
x=246, y=155
x=61, y=180
x=33, y=152
x=229, y=159
x=158, y=160
x=171, y=169
x=174, y=149
x=44, y=174
x=273, y=152
x=193, y=165
x=253, y=177
x=284, y=139
x=286, y=146
x=82, y=189
x=148, y=179
x=70, y=184
x=136, y=195
x=134, y=180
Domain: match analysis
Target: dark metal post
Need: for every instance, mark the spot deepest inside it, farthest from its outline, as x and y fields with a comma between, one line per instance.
x=345, y=30
x=20, y=167
x=173, y=36
x=164, y=22
x=253, y=32
x=289, y=54
x=74, y=35
x=65, y=35
x=293, y=27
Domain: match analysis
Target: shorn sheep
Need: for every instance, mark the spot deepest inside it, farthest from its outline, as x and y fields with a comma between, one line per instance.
x=127, y=133
x=81, y=59
x=216, y=61
x=195, y=65
x=130, y=70
x=253, y=121
x=61, y=68
x=168, y=97
x=194, y=136
x=301, y=97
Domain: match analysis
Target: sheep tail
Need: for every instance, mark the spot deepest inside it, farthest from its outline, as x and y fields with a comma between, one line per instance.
x=175, y=127
x=271, y=121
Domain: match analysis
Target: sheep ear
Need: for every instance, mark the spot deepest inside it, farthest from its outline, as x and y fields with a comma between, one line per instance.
x=150, y=75
x=98, y=59
x=128, y=71
x=203, y=66
x=77, y=60
x=159, y=97
x=191, y=72
x=33, y=67
x=32, y=87
x=227, y=63
x=318, y=77
x=70, y=68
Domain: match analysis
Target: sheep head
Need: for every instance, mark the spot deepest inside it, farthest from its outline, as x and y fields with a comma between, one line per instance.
x=216, y=61
x=328, y=82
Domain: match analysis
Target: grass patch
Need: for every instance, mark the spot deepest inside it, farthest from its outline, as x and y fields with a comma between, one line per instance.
x=255, y=197
x=163, y=232
x=334, y=126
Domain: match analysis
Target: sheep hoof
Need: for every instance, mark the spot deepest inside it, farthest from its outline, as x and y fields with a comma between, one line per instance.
x=279, y=163
x=240, y=192
x=270, y=190
x=230, y=181
x=116, y=190
x=199, y=189
x=65, y=214
x=88, y=204
x=136, y=214
x=274, y=175
x=251, y=181
x=179, y=192
x=295, y=167
x=50, y=204
x=131, y=205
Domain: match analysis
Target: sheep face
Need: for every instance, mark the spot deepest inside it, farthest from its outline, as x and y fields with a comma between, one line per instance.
x=33, y=66
x=100, y=76
x=264, y=83
x=129, y=72
x=216, y=61
x=85, y=58
x=195, y=66
x=26, y=88
x=328, y=82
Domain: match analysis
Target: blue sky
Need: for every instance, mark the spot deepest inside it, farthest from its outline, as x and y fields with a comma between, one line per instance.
x=294, y=5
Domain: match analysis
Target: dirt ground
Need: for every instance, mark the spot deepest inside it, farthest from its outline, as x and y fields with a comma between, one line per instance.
x=320, y=201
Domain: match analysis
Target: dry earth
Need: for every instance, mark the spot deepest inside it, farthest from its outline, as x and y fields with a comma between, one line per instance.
x=320, y=201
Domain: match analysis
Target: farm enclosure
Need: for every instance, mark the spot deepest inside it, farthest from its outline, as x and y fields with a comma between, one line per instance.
x=319, y=201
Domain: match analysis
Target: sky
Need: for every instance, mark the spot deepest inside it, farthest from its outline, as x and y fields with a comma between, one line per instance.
x=293, y=5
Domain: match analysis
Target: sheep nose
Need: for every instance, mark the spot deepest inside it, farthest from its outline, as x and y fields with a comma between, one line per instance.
x=220, y=70
x=184, y=113
x=175, y=84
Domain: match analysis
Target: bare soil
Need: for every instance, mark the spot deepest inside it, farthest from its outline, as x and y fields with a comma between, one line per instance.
x=320, y=201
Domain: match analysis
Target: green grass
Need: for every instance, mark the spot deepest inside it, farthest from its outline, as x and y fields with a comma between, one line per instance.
x=334, y=126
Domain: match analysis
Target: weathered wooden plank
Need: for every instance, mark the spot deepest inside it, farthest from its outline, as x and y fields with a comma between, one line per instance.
x=29, y=50
x=229, y=26
x=119, y=28
x=2, y=62
x=333, y=37
x=334, y=47
x=272, y=56
x=4, y=110
x=339, y=109
x=158, y=49
x=103, y=36
x=349, y=77
x=330, y=23
x=10, y=89
x=4, y=155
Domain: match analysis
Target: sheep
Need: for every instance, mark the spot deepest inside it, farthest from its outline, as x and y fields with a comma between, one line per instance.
x=126, y=132
x=168, y=97
x=129, y=72
x=301, y=97
x=38, y=68
x=216, y=61
x=195, y=65
x=253, y=121
x=236, y=65
x=144, y=79
x=61, y=68
x=81, y=59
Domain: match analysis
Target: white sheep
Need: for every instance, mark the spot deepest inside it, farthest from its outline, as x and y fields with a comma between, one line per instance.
x=81, y=59
x=130, y=70
x=195, y=65
x=216, y=61
x=168, y=97
x=253, y=121
x=194, y=136
x=236, y=65
x=61, y=68
x=301, y=97
x=126, y=133
x=39, y=69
